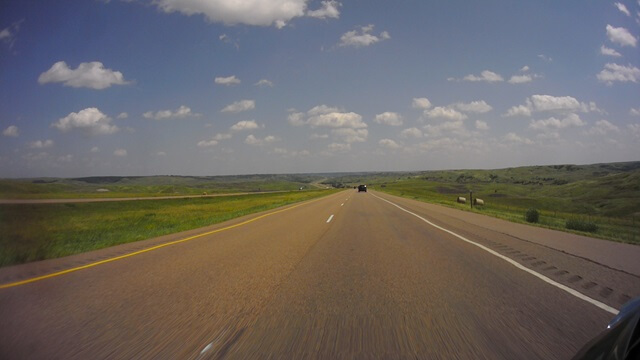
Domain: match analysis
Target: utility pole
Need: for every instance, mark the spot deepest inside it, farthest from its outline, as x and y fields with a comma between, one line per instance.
x=471, y=198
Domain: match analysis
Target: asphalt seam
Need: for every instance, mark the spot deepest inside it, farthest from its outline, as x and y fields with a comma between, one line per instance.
x=512, y=262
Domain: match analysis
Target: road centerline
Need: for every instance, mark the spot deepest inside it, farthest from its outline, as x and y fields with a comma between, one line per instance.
x=567, y=289
x=330, y=218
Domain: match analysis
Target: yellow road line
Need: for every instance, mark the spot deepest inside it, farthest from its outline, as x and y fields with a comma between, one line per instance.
x=43, y=277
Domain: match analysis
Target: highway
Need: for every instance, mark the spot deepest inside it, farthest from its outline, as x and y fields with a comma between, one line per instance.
x=350, y=275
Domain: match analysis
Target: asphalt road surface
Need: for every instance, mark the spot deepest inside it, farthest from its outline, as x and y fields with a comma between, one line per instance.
x=346, y=276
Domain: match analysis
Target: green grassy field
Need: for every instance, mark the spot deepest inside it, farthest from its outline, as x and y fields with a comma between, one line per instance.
x=607, y=195
x=44, y=231
x=149, y=186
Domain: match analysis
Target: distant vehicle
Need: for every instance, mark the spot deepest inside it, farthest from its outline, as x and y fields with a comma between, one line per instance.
x=362, y=188
x=621, y=339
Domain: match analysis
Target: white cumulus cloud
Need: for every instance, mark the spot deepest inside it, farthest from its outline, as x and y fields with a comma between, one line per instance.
x=239, y=106
x=615, y=72
x=180, y=113
x=296, y=119
x=228, y=40
x=550, y=103
x=545, y=58
x=91, y=75
x=222, y=136
x=623, y=9
x=412, y=132
x=440, y=112
x=486, y=76
x=349, y=135
x=479, y=107
x=229, y=80
x=8, y=34
x=421, y=103
x=207, y=143
x=602, y=127
x=120, y=152
x=609, y=52
x=11, y=131
x=264, y=83
x=337, y=119
x=245, y=125
x=554, y=103
x=519, y=110
x=481, y=125
x=520, y=79
x=291, y=153
x=338, y=147
x=362, y=37
x=90, y=120
x=322, y=109
x=621, y=36
x=389, y=118
x=634, y=111
x=40, y=144
x=555, y=123
x=254, y=141
x=455, y=126
x=327, y=116
x=513, y=138
x=214, y=140
x=232, y=12
x=329, y=9
x=389, y=144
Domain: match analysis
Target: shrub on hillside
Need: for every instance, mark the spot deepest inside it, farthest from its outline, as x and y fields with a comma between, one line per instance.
x=532, y=216
x=581, y=225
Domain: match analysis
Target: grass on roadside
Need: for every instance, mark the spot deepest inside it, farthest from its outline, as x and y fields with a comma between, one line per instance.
x=139, y=187
x=43, y=231
x=511, y=202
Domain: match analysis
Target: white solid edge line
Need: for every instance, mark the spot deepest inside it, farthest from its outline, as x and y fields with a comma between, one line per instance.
x=575, y=293
x=329, y=219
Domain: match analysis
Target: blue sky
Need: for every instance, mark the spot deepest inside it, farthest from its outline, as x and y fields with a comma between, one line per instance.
x=195, y=87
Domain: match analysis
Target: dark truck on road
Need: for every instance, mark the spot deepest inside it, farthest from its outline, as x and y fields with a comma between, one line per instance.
x=362, y=188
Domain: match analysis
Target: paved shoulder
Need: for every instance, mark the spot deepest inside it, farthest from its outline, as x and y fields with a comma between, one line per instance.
x=612, y=254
